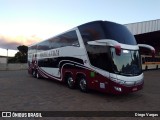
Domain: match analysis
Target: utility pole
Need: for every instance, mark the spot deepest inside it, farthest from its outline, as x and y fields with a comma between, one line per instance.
x=7, y=60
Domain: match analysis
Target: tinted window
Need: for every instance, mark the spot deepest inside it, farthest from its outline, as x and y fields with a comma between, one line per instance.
x=106, y=30
x=32, y=49
x=57, y=62
x=54, y=42
x=48, y=62
x=91, y=31
x=99, y=57
x=119, y=33
x=43, y=45
x=67, y=39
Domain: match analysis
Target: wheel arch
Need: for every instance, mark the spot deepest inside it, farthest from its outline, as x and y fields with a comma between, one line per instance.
x=80, y=74
x=66, y=74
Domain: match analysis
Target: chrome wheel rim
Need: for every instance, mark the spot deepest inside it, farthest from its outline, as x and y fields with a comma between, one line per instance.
x=33, y=73
x=70, y=82
x=83, y=84
x=37, y=75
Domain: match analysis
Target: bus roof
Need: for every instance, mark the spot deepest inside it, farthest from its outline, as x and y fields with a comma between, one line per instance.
x=97, y=21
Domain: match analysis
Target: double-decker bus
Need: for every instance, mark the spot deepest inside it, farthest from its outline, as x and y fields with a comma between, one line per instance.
x=99, y=55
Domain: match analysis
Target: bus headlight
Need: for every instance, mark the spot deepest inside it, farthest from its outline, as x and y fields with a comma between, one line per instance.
x=118, y=89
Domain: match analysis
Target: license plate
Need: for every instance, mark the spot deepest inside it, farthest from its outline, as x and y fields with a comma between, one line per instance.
x=134, y=89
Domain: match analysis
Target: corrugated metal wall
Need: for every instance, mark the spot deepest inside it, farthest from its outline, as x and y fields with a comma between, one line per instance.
x=144, y=27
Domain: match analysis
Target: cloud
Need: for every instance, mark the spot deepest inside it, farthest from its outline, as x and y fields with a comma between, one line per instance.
x=12, y=42
x=27, y=33
x=31, y=39
x=12, y=45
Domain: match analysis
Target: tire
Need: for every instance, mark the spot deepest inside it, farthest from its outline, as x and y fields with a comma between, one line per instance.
x=37, y=75
x=83, y=84
x=33, y=73
x=70, y=82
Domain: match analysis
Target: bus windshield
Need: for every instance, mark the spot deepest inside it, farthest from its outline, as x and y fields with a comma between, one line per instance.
x=128, y=63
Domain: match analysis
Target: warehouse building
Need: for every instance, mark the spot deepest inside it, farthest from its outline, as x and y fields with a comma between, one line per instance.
x=147, y=32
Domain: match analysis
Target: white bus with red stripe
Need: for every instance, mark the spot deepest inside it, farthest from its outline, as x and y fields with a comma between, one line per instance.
x=99, y=55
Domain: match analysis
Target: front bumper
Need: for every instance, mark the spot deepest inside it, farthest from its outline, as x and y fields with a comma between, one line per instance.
x=116, y=88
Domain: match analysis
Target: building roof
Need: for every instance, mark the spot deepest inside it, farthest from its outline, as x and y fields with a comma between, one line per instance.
x=144, y=27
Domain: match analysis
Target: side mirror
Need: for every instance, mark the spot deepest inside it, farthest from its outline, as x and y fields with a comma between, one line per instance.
x=107, y=42
x=148, y=47
x=118, y=50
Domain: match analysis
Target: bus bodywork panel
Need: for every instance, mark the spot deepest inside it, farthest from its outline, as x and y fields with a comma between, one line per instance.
x=95, y=80
x=71, y=54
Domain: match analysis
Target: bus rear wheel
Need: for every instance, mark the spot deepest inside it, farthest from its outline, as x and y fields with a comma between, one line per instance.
x=83, y=84
x=33, y=73
x=37, y=75
x=70, y=81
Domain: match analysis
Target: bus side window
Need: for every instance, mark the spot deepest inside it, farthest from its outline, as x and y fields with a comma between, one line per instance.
x=70, y=39
x=53, y=42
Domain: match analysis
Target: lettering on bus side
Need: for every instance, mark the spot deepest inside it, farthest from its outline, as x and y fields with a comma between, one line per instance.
x=50, y=53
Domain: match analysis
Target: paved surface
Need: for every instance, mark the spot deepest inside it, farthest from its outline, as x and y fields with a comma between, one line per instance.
x=21, y=92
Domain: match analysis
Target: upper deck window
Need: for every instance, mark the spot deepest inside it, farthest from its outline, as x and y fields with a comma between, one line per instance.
x=66, y=39
x=119, y=33
x=91, y=31
x=43, y=45
x=106, y=30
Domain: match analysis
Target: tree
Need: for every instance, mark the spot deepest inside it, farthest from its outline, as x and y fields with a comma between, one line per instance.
x=23, y=49
x=20, y=56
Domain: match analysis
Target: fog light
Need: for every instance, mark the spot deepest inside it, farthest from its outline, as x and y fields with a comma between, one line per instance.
x=118, y=89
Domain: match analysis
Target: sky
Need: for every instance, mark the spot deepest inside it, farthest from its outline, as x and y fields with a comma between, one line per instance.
x=24, y=22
